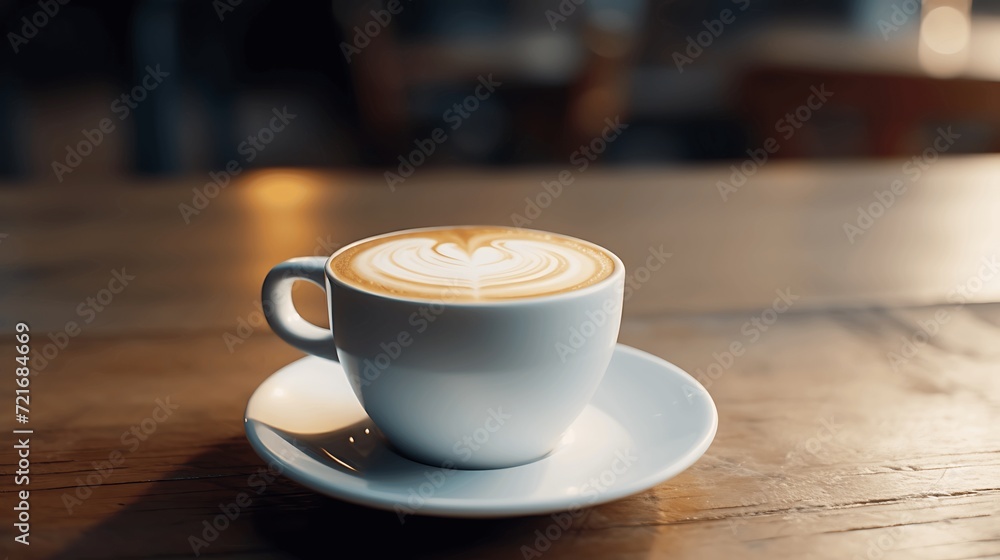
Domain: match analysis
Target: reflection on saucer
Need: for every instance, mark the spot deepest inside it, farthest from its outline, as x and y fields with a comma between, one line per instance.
x=648, y=422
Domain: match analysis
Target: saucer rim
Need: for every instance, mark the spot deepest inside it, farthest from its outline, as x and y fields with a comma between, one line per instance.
x=438, y=506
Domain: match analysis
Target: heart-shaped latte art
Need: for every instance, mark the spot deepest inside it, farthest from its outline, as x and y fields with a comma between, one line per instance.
x=483, y=266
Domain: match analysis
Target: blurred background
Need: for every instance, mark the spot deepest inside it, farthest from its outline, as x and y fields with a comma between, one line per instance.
x=121, y=122
x=166, y=87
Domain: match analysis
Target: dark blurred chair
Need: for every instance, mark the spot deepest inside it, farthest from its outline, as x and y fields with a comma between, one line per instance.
x=884, y=101
x=564, y=81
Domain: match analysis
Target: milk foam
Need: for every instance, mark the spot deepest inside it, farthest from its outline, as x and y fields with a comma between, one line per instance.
x=472, y=264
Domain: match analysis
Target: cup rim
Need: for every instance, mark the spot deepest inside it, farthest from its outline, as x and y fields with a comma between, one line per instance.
x=616, y=274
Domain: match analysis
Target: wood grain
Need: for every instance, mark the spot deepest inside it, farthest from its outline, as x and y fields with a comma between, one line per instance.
x=827, y=446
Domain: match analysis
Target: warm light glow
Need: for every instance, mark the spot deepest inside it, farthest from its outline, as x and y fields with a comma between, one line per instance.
x=280, y=188
x=945, y=34
x=945, y=30
x=282, y=213
x=350, y=439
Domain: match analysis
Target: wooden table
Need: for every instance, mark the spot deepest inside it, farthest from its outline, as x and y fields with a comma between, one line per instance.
x=827, y=446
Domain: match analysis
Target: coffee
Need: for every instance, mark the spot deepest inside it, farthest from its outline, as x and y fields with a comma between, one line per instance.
x=472, y=263
x=497, y=343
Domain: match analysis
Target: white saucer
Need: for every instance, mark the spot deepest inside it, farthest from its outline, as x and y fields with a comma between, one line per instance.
x=647, y=423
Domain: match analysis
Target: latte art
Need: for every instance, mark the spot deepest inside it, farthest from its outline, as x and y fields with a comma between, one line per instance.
x=472, y=264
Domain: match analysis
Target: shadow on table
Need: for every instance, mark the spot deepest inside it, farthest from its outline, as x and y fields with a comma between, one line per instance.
x=174, y=517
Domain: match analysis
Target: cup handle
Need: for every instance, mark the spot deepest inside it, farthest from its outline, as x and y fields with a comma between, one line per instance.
x=281, y=314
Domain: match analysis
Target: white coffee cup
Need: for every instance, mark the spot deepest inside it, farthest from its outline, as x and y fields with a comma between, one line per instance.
x=469, y=385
